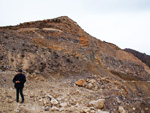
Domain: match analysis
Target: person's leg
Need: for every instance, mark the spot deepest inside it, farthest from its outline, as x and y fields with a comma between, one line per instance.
x=17, y=94
x=21, y=93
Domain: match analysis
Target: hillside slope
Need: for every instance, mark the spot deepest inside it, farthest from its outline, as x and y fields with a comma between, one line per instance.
x=59, y=49
x=142, y=56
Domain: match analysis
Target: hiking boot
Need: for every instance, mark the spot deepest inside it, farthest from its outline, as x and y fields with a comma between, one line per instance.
x=17, y=101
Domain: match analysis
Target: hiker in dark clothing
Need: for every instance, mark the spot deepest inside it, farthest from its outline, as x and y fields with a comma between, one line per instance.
x=19, y=81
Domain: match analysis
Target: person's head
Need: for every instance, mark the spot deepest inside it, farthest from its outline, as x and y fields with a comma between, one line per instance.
x=19, y=71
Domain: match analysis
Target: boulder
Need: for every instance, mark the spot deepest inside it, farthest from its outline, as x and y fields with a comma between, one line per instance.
x=98, y=104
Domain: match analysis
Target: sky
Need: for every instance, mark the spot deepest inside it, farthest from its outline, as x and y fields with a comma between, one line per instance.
x=125, y=23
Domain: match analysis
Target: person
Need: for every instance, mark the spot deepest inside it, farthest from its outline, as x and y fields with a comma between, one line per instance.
x=19, y=81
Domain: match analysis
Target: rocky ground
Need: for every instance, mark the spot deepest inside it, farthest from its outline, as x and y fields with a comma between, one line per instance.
x=92, y=94
x=69, y=71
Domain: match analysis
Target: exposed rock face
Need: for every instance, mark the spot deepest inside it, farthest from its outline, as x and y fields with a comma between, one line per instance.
x=59, y=51
x=142, y=56
x=40, y=46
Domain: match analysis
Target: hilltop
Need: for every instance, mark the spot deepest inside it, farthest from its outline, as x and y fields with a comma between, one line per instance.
x=55, y=54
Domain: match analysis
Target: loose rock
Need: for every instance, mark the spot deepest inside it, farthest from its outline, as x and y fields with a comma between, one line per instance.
x=98, y=104
x=54, y=101
x=80, y=82
x=54, y=108
x=121, y=110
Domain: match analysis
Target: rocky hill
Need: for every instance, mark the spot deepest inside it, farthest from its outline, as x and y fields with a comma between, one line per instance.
x=142, y=56
x=70, y=71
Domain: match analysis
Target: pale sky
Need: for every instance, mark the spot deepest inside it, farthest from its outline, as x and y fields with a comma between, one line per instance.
x=125, y=23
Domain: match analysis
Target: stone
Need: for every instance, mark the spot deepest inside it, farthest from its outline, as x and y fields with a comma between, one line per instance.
x=54, y=108
x=118, y=100
x=121, y=109
x=63, y=105
x=49, y=96
x=146, y=109
x=46, y=101
x=98, y=104
x=86, y=110
x=46, y=109
x=80, y=82
x=62, y=109
x=134, y=108
x=92, y=111
x=92, y=81
x=100, y=111
x=54, y=101
x=40, y=100
x=90, y=86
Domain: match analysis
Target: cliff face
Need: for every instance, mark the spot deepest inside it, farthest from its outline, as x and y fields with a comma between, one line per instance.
x=142, y=56
x=60, y=48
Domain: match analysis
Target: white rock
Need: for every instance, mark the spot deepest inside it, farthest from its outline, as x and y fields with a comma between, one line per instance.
x=46, y=101
x=100, y=111
x=121, y=110
x=90, y=85
x=86, y=110
x=118, y=100
x=77, y=105
x=92, y=111
x=92, y=81
x=54, y=108
x=41, y=100
x=63, y=104
x=54, y=101
x=98, y=104
x=59, y=98
x=134, y=108
x=50, y=96
x=62, y=109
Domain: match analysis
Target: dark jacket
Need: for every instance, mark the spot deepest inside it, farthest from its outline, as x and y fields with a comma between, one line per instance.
x=21, y=78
